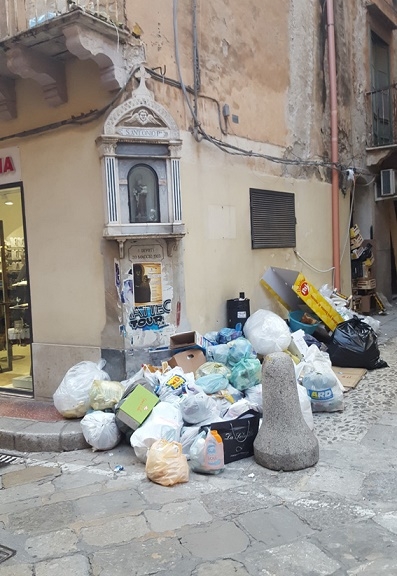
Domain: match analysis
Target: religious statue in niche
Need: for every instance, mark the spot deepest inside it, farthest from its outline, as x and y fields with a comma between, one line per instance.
x=140, y=193
x=143, y=194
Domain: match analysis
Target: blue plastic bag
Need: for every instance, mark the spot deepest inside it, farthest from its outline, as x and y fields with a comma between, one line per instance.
x=246, y=373
x=212, y=383
x=228, y=334
x=218, y=353
x=239, y=349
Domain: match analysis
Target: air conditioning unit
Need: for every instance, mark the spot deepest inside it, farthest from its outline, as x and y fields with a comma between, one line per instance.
x=388, y=183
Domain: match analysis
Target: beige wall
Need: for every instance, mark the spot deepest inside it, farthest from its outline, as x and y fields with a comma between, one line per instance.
x=240, y=63
x=64, y=212
x=219, y=261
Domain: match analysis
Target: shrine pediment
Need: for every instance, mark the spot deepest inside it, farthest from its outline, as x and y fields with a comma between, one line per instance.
x=141, y=117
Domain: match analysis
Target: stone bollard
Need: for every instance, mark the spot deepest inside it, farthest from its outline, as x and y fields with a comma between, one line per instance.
x=284, y=441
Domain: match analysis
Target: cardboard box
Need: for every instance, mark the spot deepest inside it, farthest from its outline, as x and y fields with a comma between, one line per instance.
x=137, y=407
x=292, y=289
x=188, y=360
x=188, y=340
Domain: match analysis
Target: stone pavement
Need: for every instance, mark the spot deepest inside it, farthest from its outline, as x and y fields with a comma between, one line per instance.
x=71, y=514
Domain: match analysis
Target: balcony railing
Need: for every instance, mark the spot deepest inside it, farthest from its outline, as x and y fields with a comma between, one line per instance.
x=20, y=15
x=382, y=115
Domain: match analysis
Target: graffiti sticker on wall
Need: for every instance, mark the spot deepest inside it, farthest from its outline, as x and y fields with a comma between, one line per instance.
x=147, y=284
x=150, y=317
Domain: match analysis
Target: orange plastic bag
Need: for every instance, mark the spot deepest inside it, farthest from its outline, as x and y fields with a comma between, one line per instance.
x=165, y=464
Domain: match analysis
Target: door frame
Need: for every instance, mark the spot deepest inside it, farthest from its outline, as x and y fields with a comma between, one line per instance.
x=21, y=392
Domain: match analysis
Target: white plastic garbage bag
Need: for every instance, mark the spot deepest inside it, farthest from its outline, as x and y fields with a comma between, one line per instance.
x=100, y=430
x=254, y=396
x=306, y=406
x=199, y=408
x=72, y=397
x=188, y=436
x=239, y=408
x=164, y=421
x=267, y=332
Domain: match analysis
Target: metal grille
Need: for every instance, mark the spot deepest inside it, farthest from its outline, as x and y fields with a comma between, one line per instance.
x=17, y=16
x=6, y=553
x=273, y=223
x=8, y=459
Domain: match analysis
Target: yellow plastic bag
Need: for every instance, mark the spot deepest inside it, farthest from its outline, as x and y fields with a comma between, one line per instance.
x=165, y=464
x=105, y=394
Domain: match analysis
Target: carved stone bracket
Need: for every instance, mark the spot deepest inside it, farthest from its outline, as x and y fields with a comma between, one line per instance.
x=50, y=75
x=8, y=106
x=109, y=55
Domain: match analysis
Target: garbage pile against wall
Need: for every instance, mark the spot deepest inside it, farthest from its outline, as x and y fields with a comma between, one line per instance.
x=202, y=409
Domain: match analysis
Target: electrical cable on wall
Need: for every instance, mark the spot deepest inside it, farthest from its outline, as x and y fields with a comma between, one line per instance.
x=199, y=132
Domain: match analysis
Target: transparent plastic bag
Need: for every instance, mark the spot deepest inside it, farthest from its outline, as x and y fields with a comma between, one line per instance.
x=166, y=464
x=100, y=430
x=218, y=353
x=212, y=368
x=105, y=394
x=206, y=453
x=267, y=332
x=72, y=397
x=324, y=392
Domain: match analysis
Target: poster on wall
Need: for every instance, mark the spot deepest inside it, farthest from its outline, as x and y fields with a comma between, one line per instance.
x=147, y=284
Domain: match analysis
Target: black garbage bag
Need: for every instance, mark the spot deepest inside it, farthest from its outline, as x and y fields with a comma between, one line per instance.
x=354, y=344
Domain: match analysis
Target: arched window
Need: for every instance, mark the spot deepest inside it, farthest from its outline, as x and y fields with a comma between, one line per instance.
x=143, y=194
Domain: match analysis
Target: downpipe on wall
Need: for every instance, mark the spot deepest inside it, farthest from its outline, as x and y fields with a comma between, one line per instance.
x=334, y=142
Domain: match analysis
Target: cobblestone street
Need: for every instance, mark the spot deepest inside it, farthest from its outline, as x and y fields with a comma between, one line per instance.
x=71, y=513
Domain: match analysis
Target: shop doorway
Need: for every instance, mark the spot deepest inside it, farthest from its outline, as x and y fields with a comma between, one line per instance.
x=15, y=314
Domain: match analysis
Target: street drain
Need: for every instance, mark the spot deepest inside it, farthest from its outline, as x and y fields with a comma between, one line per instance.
x=8, y=459
x=6, y=553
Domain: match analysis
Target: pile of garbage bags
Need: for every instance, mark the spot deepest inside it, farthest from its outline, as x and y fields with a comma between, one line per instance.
x=180, y=431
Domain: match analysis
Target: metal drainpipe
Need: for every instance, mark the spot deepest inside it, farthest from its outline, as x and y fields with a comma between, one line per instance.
x=334, y=142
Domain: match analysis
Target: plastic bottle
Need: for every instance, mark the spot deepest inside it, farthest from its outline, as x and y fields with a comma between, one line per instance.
x=214, y=457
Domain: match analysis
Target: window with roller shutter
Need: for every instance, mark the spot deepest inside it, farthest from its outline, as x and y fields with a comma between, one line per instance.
x=273, y=223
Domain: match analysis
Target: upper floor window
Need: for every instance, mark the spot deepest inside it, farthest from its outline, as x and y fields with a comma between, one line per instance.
x=143, y=194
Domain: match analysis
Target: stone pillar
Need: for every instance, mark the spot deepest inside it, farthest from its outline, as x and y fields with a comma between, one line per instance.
x=284, y=441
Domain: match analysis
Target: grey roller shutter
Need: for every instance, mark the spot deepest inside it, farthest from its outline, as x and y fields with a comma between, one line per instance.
x=273, y=221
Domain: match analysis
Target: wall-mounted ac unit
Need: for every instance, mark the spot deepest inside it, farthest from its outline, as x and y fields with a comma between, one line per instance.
x=388, y=183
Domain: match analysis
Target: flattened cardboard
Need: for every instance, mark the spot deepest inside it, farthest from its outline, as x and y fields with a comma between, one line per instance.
x=137, y=407
x=188, y=360
x=349, y=377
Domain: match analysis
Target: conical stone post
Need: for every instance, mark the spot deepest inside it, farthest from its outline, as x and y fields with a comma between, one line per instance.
x=284, y=441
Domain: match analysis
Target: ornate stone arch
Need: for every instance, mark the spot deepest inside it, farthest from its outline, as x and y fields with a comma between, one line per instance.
x=139, y=121
x=141, y=117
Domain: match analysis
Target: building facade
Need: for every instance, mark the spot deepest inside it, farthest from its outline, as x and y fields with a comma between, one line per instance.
x=160, y=160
